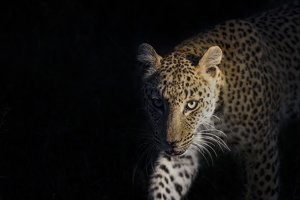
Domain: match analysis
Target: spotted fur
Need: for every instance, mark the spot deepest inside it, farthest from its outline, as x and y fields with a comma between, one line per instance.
x=231, y=85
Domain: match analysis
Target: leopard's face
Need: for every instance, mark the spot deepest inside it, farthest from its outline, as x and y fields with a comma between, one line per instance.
x=180, y=93
x=178, y=100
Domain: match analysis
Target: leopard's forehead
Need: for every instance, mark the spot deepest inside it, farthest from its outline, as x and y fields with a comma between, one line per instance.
x=177, y=76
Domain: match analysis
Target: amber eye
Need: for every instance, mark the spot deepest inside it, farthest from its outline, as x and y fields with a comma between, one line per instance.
x=191, y=105
x=158, y=103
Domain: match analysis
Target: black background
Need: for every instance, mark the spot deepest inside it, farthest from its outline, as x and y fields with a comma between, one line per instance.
x=70, y=97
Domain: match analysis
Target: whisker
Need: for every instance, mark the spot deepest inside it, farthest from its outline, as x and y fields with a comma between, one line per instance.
x=136, y=129
x=205, y=126
x=205, y=143
x=209, y=125
x=141, y=155
x=214, y=130
x=204, y=148
x=143, y=145
x=218, y=140
x=199, y=149
x=155, y=150
x=216, y=117
x=208, y=134
x=212, y=137
x=145, y=137
x=150, y=160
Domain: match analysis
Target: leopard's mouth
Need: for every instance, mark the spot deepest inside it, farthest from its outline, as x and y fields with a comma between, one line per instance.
x=175, y=153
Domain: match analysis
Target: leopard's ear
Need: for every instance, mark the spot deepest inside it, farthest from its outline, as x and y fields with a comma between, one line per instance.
x=149, y=58
x=208, y=64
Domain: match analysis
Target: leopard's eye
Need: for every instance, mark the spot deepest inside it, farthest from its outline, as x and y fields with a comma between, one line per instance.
x=158, y=103
x=191, y=105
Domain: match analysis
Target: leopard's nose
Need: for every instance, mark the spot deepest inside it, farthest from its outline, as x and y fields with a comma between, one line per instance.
x=173, y=143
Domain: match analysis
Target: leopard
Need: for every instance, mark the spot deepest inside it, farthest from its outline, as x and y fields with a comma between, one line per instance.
x=231, y=87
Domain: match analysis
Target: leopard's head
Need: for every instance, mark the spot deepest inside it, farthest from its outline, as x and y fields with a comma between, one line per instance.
x=180, y=93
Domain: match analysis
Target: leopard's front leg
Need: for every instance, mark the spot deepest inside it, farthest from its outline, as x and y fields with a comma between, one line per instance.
x=173, y=176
